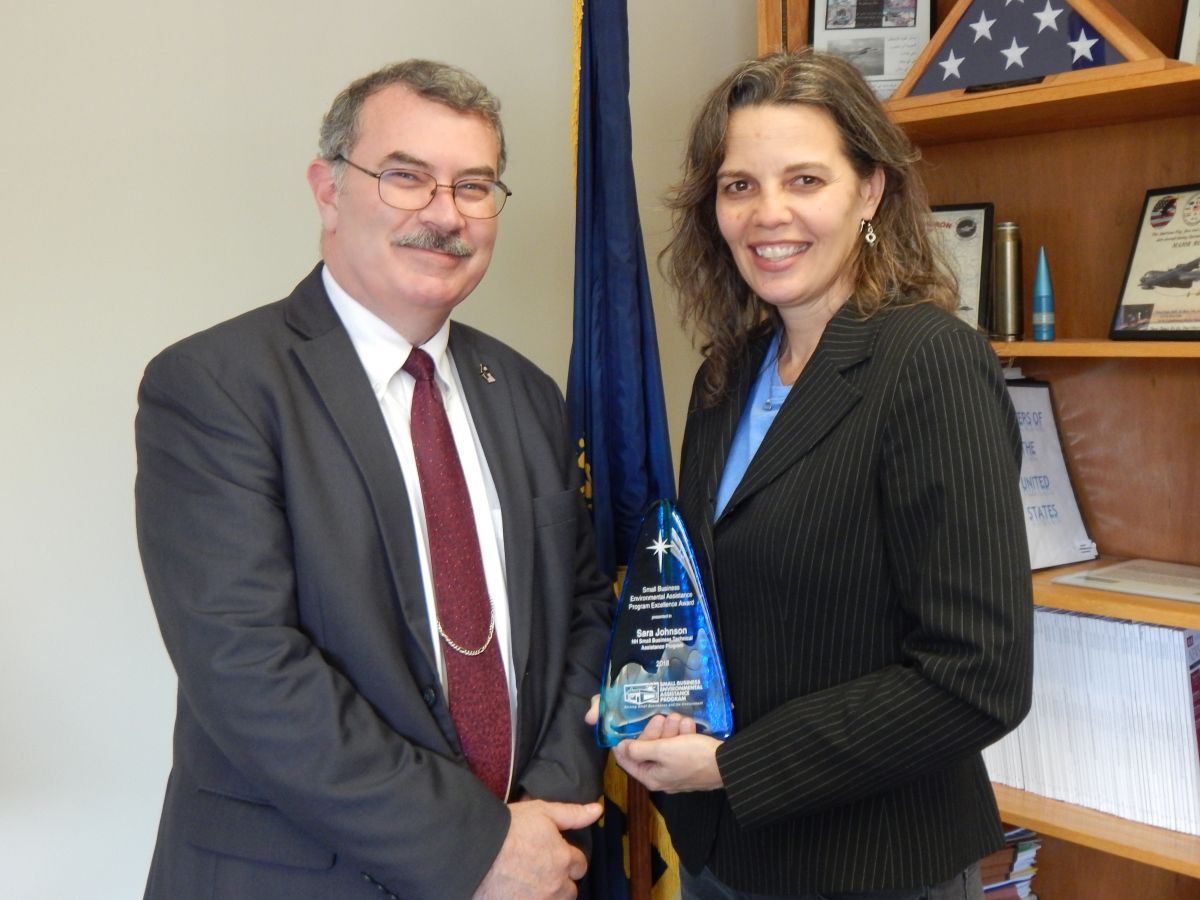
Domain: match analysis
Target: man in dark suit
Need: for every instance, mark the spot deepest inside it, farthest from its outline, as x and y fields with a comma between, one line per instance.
x=294, y=538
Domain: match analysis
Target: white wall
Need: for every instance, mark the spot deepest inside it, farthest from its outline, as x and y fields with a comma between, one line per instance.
x=153, y=161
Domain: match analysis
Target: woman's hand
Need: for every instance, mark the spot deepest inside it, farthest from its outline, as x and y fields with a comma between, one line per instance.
x=670, y=756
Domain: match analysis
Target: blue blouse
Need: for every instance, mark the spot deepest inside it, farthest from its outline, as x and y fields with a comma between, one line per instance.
x=766, y=396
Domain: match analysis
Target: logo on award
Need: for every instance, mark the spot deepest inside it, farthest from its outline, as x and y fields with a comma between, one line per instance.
x=641, y=694
x=1191, y=210
x=1163, y=211
x=662, y=653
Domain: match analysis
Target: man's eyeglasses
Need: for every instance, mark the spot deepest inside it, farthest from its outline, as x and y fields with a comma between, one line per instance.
x=475, y=198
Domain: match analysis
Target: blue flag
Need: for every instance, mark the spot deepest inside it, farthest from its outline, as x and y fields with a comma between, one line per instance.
x=614, y=390
x=998, y=41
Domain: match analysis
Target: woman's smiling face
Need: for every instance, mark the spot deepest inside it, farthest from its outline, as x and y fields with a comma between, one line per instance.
x=789, y=204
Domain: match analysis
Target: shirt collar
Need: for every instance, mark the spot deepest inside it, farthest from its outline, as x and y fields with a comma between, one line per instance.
x=381, y=348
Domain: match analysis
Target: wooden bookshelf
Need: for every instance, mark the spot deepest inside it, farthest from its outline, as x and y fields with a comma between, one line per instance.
x=1173, y=90
x=1070, y=162
x=1086, y=348
x=1097, y=602
x=1157, y=847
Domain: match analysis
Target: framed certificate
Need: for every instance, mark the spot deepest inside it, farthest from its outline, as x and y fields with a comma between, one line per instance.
x=1161, y=296
x=883, y=38
x=1188, y=49
x=964, y=232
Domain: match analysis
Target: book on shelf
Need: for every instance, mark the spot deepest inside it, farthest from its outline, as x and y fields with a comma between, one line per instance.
x=1053, y=523
x=1113, y=725
x=1008, y=864
x=1149, y=577
x=1012, y=866
x=1019, y=890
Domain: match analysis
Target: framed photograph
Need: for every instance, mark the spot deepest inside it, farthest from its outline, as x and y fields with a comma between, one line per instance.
x=883, y=38
x=1188, y=49
x=964, y=232
x=1160, y=299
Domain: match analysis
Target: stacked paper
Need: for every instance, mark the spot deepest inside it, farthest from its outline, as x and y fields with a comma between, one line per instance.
x=1114, y=720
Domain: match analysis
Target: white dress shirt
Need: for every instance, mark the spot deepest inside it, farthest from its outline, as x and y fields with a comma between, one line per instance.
x=383, y=352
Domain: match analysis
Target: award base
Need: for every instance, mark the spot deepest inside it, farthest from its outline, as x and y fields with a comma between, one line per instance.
x=662, y=653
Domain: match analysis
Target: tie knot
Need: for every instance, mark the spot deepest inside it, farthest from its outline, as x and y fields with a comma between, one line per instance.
x=419, y=365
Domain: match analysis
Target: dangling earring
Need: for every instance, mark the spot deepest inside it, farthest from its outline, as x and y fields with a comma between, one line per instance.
x=869, y=236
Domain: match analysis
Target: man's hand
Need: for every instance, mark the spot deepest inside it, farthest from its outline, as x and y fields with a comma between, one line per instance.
x=535, y=860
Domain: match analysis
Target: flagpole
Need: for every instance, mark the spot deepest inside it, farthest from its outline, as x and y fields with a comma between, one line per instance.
x=638, y=803
x=614, y=387
x=637, y=821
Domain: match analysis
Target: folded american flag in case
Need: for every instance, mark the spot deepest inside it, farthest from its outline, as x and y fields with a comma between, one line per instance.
x=998, y=41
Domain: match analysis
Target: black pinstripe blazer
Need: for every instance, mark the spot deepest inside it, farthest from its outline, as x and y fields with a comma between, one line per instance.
x=871, y=584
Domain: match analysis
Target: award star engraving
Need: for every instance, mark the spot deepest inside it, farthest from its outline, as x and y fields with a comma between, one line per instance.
x=660, y=548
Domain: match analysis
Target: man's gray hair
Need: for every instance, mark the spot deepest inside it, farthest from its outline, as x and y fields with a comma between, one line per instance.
x=439, y=82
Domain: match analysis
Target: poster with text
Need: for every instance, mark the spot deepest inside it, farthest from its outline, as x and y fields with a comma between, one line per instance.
x=1053, y=523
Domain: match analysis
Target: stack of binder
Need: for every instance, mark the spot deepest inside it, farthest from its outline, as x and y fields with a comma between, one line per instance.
x=1114, y=720
x=1008, y=873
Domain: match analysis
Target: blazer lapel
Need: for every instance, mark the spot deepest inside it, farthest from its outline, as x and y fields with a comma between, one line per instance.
x=715, y=428
x=489, y=397
x=333, y=365
x=818, y=400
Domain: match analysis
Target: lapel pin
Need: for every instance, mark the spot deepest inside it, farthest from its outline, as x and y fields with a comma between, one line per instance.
x=486, y=374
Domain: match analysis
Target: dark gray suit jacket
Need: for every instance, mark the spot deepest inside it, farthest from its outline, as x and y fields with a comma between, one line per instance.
x=872, y=596
x=314, y=755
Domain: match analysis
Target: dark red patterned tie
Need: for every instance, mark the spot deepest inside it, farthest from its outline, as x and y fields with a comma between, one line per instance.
x=476, y=683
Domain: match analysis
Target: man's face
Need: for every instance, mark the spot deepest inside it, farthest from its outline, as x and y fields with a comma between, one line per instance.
x=363, y=240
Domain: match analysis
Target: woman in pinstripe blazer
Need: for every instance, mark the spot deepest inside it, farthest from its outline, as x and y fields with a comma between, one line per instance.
x=850, y=479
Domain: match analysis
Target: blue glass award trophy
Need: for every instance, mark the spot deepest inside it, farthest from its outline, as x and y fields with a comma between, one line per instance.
x=662, y=653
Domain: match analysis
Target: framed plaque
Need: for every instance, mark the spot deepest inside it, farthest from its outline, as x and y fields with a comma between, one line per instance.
x=1160, y=299
x=964, y=232
x=1188, y=48
x=883, y=38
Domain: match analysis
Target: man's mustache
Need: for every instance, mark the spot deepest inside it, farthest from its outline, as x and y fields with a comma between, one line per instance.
x=431, y=240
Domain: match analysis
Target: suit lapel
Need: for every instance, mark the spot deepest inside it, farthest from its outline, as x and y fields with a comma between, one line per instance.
x=818, y=400
x=337, y=374
x=487, y=387
x=715, y=428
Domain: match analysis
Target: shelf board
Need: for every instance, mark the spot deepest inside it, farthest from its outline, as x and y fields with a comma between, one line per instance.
x=1104, y=349
x=1139, y=97
x=1097, y=602
x=1158, y=847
